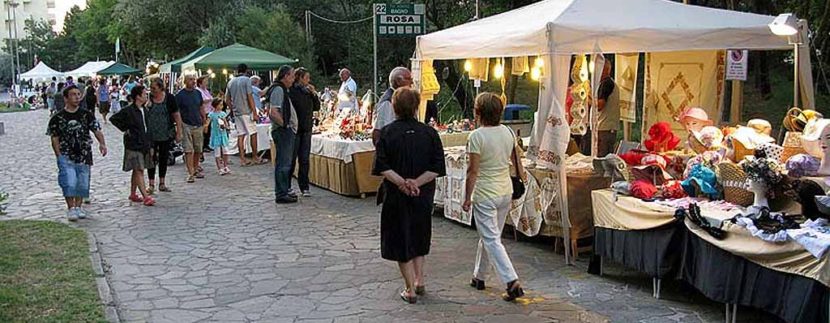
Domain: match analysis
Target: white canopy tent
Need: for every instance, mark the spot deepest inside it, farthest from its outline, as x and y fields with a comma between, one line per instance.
x=557, y=29
x=89, y=69
x=41, y=71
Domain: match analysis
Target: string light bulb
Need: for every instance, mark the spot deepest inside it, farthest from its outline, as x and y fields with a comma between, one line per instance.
x=213, y=75
x=498, y=71
x=538, y=62
x=210, y=71
x=225, y=71
x=536, y=73
x=468, y=66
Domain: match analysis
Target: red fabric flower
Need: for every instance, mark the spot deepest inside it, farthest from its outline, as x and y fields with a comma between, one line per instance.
x=643, y=189
x=661, y=138
x=632, y=158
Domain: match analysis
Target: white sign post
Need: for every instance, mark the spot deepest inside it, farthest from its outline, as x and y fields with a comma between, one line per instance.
x=736, y=64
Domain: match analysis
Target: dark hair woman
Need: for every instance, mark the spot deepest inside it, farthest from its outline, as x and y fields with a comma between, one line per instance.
x=164, y=123
x=304, y=97
x=409, y=155
x=137, y=143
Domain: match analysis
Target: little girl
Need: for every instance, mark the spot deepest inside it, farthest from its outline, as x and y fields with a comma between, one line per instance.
x=219, y=136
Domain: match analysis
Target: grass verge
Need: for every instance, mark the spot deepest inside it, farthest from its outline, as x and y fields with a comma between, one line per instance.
x=4, y=108
x=45, y=274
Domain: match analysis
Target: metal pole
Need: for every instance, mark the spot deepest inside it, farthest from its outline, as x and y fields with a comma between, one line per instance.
x=9, y=43
x=16, y=40
x=307, y=26
x=375, y=36
x=476, y=17
x=795, y=76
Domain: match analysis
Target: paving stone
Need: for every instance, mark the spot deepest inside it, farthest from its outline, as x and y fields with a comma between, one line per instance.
x=221, y=250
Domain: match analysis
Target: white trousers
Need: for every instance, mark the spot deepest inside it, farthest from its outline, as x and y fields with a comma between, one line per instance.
x=490, y=216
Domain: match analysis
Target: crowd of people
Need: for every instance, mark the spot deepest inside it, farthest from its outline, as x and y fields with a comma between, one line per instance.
x=409, y=153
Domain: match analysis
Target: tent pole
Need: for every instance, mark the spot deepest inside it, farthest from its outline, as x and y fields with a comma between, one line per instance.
x=737, y=102
x=795, y=76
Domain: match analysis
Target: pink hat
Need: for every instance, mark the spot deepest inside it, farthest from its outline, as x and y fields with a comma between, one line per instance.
x=696, y=113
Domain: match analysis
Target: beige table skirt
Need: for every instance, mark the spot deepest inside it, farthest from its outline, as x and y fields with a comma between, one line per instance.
x=351, y=179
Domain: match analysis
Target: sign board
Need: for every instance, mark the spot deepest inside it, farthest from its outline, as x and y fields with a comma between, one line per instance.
x=736, y=64
x=400, y=20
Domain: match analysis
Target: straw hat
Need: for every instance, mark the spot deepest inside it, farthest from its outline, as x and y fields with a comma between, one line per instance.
x=760, y=125
x=745, y=140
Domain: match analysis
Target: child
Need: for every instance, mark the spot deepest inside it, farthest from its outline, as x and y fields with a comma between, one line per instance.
x=219, y=136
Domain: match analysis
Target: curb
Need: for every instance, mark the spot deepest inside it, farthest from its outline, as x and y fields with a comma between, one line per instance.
x=104, y=290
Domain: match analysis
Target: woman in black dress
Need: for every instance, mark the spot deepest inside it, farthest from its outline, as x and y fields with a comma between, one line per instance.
x=409, y=156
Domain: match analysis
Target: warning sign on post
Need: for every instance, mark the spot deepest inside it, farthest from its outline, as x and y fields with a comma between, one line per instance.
x=736, y=64
x=400, y=20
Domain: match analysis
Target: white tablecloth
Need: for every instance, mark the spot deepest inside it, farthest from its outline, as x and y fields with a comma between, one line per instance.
x=263, y=139
x=339, y=148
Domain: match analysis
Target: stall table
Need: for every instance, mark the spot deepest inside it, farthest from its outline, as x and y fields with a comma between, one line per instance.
x=345, y=166
x=537, y=212
x=646, y=236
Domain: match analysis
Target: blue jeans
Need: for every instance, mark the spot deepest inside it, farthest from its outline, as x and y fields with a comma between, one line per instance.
x=284, y=141
x=73, y=177
x=302, y=155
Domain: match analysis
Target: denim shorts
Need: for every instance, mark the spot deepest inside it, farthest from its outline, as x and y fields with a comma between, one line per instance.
x=73, y=177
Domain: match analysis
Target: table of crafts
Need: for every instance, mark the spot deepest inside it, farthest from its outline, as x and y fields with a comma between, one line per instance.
x=344, y=166
x=782, y=278
x=537, y=212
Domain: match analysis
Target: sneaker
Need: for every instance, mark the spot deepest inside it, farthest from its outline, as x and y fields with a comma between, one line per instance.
x=285, y=200
x=191, y=179
x=81, y=213
x=222, y=172
x=72, y=215
x=87, y=200
x=306, y=193
x=200, y=175
x=227, y=170
x=136, y=198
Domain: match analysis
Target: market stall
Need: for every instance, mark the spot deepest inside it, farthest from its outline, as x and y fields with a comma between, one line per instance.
x=229, y=57
x=174, y=67
x=533, y=214
x=719, y=257
x=41, y=71
x=119, y=69
x=344, y=166
x=89, y=69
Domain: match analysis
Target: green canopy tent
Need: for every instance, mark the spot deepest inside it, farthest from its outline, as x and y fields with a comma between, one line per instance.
x=175, y=66
x=231, y=56
x=119, y=69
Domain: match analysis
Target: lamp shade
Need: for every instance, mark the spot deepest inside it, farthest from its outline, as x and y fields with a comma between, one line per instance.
x=786, y=24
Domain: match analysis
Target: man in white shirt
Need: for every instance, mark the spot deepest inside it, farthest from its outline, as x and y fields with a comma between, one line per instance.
x=348, y=91
x=241, y=100
x=384, y=114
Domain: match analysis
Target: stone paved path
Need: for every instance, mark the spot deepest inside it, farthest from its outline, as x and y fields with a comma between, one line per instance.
x=220, y=250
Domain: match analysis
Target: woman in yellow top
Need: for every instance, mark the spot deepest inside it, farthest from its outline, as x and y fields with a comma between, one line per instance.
x=489, y=190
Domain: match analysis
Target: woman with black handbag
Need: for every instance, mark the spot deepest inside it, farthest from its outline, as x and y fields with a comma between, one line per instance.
x=489, y=190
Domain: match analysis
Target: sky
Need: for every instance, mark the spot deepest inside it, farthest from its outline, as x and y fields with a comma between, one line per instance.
x=62, y=7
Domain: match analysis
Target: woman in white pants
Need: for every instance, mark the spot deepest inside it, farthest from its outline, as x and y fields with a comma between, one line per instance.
x=489, y=191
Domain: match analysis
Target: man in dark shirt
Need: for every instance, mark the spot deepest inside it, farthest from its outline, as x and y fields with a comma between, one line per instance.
x=189, y=101
x=72, y=145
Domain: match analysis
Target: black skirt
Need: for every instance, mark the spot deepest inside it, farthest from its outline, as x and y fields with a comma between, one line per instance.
x=406, y=223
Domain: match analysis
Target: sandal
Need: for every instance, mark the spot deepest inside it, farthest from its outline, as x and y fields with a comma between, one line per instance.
x=136, y=198
x=477, y=284
x=514, y=290
x=163, y=188
x=151, y=189
x=420, y=290
x=406, y=298
x=246, y=163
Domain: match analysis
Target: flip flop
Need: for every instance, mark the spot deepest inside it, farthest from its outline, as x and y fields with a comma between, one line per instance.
x=246, y=164
x=408, y=299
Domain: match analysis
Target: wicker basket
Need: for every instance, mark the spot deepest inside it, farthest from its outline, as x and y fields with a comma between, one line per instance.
x=733, y=180
x=792, y=146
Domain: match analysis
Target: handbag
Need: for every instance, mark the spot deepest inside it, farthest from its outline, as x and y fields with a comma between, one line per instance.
x=518, y=184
